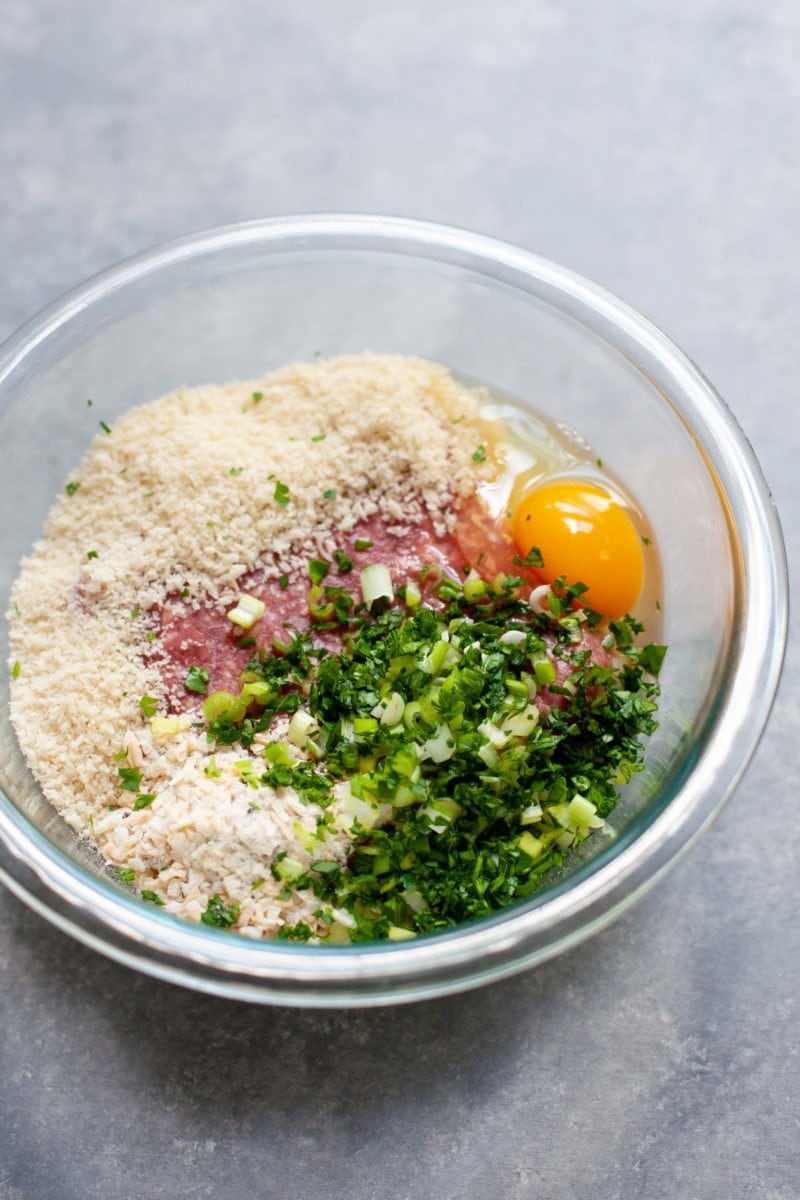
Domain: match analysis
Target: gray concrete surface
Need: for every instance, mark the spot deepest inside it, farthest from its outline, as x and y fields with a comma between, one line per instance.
x=654, y=147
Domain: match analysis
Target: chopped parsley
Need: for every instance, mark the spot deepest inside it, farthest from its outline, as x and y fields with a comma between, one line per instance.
x=430, y=716
x=152, y=897
x=319, y=437
x=72, y=488
x=144, y=800
x=281, y=494
x=479, y=455
x=130, y=778
x=218, y=915
x=343, y=562
x=283, y=581
x=256, y=397
x=317, y=570
x=196, y=680
x=329, y=494
x=126, y=874
x=149, y=706
x=235, y=470
x=532, y=559
x=15, y=670
x=91, y=554
x=363, y=544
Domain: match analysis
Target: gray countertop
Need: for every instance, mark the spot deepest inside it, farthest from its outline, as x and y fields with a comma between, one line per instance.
x=655, y=148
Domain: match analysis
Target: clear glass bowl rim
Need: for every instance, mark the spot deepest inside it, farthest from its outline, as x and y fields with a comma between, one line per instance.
x=120, y=926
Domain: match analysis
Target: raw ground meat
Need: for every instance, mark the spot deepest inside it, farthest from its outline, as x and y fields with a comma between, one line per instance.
x=204, y=637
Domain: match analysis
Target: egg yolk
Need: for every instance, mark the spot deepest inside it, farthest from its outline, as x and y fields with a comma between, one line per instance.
x=587, y=536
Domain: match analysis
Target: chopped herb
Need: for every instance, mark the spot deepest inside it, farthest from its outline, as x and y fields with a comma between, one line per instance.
x=283, y=580
x=149, y=706
x=105, y=428
x=135, y=612
x=457, y=420
x=118, y=757
x=212, y=770
x=319, y=437
x=126, y=874
x=532, y=559
x=599, y=462
x=363, y=544
x=72, y=488
x=645, y=540
x=281, y=494
x=218, y=915
x=301, y=932
x=15, y=670
x=235, y=470
x=344, y=563
x=89, y=403
x=144, y=800
x=151, y=637
x=479, y=455
x=317, y=570
x=256, y=884
x=129, y=778
x=196, y=680
x=91, y=554
x=153, y=898
x=257, y=397
x=329, y=494
x=245, y=642
x=185, y=593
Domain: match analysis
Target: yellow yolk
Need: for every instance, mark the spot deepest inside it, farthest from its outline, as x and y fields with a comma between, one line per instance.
x=587, y=536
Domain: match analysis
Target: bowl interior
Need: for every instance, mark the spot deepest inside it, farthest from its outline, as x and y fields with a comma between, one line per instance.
x=235, y=306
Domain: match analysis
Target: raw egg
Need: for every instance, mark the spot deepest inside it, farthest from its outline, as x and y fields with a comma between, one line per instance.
x=583, y=533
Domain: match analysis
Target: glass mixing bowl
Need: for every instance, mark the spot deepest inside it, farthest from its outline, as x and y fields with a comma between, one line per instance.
x=235, y=302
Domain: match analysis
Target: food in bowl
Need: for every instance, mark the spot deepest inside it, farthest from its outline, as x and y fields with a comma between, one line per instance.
x=341, y=654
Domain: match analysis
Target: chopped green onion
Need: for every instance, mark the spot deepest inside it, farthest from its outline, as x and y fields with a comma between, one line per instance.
x=281, y=494
x=530, y=845
x=363, y=544
x=148, y=705
x=248, y=610
x=397, y=934
x=224, y=704
x=72, y=488
x=165, y=727
x=376, y=584
x=544, y=671
x=144, y=800
x=15, y=670
x=301, y=727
